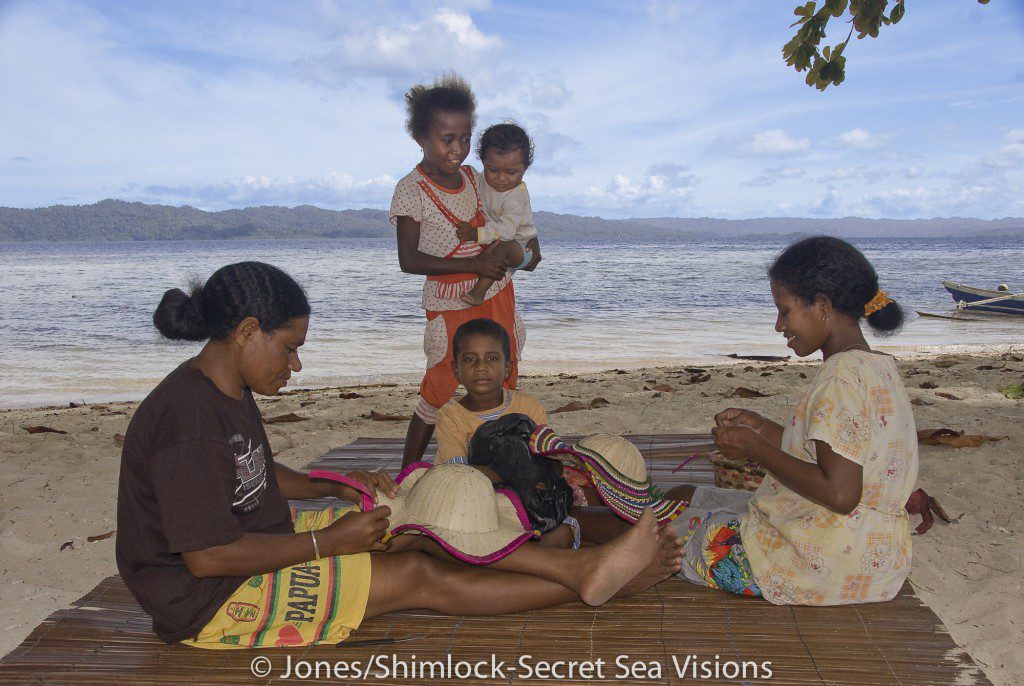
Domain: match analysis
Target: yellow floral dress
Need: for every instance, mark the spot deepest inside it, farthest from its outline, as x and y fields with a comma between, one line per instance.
x=804, y=554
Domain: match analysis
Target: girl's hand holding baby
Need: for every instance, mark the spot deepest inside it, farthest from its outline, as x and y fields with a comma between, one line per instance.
x=488, y=264
x=465, y=232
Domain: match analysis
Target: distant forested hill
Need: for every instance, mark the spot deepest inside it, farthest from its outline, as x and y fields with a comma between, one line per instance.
x=119, y=220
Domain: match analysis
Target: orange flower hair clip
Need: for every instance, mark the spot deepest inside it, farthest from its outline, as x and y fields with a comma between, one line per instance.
x=880, y=300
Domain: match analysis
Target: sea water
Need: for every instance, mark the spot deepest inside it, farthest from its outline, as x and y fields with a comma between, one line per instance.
x=76, y=318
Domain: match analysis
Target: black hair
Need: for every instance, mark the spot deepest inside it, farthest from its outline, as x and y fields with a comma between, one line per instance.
x=504, y=138
x=482, y=327
x=234, y=292
x=832, y=267
x=448, y=93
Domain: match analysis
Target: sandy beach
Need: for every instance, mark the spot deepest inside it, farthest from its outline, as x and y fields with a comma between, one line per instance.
x=58, y=490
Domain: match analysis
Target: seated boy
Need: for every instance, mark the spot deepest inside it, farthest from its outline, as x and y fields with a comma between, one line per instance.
x=481, y=360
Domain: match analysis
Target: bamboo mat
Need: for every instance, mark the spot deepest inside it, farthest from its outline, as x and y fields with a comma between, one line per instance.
x=106, y=638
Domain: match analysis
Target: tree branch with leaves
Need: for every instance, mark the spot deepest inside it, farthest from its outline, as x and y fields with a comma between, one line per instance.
x=827, y=66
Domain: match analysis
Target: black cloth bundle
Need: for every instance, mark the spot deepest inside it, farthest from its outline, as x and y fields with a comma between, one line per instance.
x=503, y=446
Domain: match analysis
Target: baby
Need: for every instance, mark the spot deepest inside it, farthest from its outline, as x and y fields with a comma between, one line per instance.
x=506, y=152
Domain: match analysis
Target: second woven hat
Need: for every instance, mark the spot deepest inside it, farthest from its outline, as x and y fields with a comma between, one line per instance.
x=617, y=469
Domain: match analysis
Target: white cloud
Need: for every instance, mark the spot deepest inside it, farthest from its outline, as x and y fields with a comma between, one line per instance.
x=401, y=53
x=840, y=174
x=1010, y=154
x=771, y=175
x=777, y=142
x=335, y=190
x=897, y=202
x=773, y=143
x=669, y=11
x=665, y=186
x=828, y=205
x=862, y=139
x=548, y=91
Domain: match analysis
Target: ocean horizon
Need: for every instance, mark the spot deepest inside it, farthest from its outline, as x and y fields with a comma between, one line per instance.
x=75, y=318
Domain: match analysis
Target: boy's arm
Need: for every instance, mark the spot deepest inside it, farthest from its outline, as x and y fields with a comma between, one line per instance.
x=451, y=439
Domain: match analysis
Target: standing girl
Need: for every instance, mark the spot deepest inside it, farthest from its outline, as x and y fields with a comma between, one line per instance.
x=428, y=205
x=827, y=526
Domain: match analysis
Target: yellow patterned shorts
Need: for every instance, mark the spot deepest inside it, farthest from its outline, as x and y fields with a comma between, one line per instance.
x=322, y=601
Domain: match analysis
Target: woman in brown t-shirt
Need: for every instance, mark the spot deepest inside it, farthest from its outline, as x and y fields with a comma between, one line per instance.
x=206, y=541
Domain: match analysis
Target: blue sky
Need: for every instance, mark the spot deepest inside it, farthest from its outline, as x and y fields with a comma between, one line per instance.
x=638, y=109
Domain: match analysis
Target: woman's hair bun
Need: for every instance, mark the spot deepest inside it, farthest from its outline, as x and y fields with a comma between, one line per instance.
x=887, y=320
x=180, y=316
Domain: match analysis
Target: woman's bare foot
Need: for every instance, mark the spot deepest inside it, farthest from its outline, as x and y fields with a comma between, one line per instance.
x=666, y=562
x=619, y=561
x=471, y=298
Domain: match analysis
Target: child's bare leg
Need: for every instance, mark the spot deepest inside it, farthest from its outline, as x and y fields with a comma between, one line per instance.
x=599, y=524
x=531, y=577
x=559, y=537
x=594, y=574
x=513, y=254
x=413, y=580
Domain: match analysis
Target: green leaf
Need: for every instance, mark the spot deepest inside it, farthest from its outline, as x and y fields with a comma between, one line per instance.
x=805, y=11
x=835, y=7
x=897, y=13
x=1016, y=391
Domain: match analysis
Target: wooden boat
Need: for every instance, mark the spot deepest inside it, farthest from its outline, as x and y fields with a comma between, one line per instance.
x=971, y=298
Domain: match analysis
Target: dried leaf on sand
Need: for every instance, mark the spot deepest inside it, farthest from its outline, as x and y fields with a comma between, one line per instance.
x=759, y=358
x=283, y=418
x=948, y=396
x=350, y=396
x=382, y=417
x=100, y=537
x=43, y=430
x=955, y=439
x=923, y=504
x=744, y=392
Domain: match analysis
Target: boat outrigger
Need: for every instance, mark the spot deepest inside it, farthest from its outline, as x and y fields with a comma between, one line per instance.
x=971, y=298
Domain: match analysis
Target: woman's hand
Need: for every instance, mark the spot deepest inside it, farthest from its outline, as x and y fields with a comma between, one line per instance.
x=465, y=232
x=738, y=441
x=488, y=264
x=374, y=482
x=355, y=532
x=734, y=416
